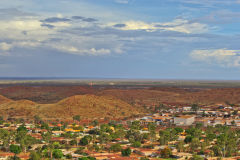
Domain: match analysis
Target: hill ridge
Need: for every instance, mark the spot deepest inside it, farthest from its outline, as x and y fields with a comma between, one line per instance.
x=87, y=106
x=4, y=99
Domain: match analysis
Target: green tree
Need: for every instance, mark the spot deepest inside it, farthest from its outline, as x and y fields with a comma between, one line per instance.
x=210, y=136
x=106, y=128
x=197, y=157
x=96, y=147
x=188, y=139
x=37, y=119
x=46, y=137
x=152, y=130
x=69, y=156
x=95, y=123
x=15, y=149
x=1, y=120
x=104, y=138
x=136, y=125
x=23, y=139
x=199, y=125
x=85, y=140
x=35, y=156
x=194, y=132
x=45, y=126
x=56, y=145
x=57, y=153
x=120, y=132
x=29, y=140
x=164, y=137
x=136, y=144
x=77, y=118
x=73, y=142
x=115, y=147
x=180, y=146
x=216, y=150
x=126, y=152
x=79, y=150
x=195, y=107
x=166, y=152
x=228, y=143
x=195, y=143
x=5, y=137
x=47, y=150
x=22, y=128
x=178, y=130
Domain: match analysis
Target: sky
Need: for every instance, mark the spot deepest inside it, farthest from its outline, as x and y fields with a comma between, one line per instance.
x=133, y=39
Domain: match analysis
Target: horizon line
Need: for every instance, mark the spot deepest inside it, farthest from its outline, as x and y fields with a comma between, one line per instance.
x=110, y=78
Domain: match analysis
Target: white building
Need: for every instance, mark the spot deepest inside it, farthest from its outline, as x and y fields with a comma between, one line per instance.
x=187, y=108
x=184, y=120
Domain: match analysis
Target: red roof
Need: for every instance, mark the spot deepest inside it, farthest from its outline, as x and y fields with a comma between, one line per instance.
x=24, y=156
x=36, y=135
x=125, y=158
x=57, y=138
x=6, y=154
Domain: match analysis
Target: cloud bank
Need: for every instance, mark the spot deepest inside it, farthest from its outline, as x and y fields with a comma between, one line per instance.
x=224, y=57
x=177, y=25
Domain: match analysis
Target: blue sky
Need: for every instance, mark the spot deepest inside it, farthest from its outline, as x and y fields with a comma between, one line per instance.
x=152, y=39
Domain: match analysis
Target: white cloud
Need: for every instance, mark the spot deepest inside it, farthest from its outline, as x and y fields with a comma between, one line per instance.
x=30, y=33
x=178, y=25
x=77, y=38
x=94, y=51
x=77, y=51
x=23, y=25
x=59, y=15
x=138, y=25
x=184, y=26
x=224, y=57
x=5, y=46
x=24, y=30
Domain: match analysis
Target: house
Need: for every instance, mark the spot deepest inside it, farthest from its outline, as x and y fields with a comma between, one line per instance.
x=57, y=133
x=185, y=120
x=144, y=152
x=5, y=155
x=24, y=155
x=205, y=121
x=187, y=108
x=218, y=120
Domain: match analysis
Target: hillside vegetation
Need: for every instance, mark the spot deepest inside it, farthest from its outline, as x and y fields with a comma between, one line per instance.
x=103, y=101
x=4, y=99
x=129, y=94
x=87, y=106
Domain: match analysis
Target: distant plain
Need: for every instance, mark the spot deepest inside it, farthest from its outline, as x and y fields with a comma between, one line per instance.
x=123, y=97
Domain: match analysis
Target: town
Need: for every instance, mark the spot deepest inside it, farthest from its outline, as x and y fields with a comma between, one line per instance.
x=119, y=79
x=194, y=132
